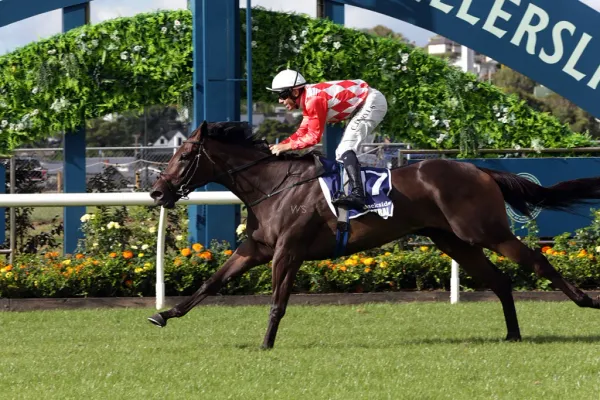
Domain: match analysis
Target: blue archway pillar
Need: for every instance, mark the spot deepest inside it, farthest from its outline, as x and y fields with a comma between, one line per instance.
x=333, y=133
x=74, y=148
x=216, y=98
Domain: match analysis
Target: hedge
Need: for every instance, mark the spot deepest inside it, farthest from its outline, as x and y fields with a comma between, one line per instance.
x=57, y=84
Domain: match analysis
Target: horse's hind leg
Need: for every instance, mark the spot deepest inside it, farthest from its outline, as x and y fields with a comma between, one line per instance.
x=473, y=260
x=523, y=255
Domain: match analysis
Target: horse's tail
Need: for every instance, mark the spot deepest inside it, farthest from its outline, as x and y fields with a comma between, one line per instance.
x=524, y=195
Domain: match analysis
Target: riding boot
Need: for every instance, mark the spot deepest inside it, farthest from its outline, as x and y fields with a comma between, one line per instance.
x=356, y=198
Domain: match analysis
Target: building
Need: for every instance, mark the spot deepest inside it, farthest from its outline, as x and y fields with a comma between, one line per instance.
x=443, y=47
x=170, y=139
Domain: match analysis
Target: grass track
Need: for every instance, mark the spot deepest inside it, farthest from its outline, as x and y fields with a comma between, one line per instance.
x=374, y=351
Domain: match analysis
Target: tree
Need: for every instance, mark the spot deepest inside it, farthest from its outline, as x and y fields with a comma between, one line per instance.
x=272, y=129
x=384, y=31
x=122, y=128
x=567, y=112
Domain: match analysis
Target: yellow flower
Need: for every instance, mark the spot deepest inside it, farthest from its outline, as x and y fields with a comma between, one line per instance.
x=3, y=270
x=387, y=253
x=9, y=275
x=368, y=261
x=350, y=261
x=138, y=270
x=66, y=262
x=141, y=255
x=383, y=264
x=197, y=247
x=147, y=265
x=355, y=257
x=424, y=248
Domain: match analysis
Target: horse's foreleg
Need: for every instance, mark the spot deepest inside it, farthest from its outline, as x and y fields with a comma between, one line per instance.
x=285, y=269
x=247, y=256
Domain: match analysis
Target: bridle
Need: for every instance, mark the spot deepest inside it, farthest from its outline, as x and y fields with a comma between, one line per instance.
x=186, y=188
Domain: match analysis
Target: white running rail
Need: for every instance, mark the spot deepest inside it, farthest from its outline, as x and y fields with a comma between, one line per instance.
x=144, y=199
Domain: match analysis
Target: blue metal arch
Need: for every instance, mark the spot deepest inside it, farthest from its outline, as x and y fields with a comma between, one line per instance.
x=12, y=11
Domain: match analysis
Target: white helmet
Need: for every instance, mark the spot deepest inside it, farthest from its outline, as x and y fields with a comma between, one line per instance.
x=287, y=79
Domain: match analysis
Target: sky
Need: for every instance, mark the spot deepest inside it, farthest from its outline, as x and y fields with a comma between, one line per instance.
x=45, y=25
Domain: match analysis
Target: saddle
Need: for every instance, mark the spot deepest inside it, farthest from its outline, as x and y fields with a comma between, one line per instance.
x=377, y=186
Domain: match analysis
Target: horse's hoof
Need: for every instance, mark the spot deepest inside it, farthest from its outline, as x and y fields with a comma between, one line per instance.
x=158, y=320
x=266, y=347
x=513, y=338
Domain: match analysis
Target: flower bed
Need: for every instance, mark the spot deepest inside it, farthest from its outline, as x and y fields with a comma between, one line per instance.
x=117, y=258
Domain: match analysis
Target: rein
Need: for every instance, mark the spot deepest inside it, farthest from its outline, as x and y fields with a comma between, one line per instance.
x=186, y=189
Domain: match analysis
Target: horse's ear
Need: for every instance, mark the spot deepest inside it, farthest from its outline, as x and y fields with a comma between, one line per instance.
x=202, y=131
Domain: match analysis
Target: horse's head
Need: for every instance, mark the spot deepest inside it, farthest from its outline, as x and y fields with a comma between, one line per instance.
x=201, y=160
x=187, y=170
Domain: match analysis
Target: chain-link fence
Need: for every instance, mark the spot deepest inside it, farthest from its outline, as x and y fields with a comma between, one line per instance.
x=136, y=168
x=128, y=168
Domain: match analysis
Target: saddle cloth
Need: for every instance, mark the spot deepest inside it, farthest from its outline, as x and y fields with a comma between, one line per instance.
x=377, y=183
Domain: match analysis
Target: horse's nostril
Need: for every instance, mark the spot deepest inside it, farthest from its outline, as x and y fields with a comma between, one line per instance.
x=156, y=194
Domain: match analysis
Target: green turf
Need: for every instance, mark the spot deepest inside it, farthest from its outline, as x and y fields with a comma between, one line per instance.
x=402, y=351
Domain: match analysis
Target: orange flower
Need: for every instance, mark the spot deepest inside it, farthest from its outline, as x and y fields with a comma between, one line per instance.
x=8, y=268
x=545, y=249
x=206, y=255
x=367, y=270
x=228, y=252
x=343, y=268
x=127, y=254
x=128, y=282
x=112, y=255
x=186, y=252
x=197, y=247
x=177, y=261
x=79, y=256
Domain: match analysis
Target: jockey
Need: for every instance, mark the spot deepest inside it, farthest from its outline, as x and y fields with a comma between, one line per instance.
x=331, y=102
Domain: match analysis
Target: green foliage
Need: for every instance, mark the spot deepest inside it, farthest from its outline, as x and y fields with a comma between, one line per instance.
x=123, y=64
x=57, y=84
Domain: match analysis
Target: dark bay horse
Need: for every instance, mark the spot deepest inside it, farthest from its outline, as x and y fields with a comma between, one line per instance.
x=459, y=206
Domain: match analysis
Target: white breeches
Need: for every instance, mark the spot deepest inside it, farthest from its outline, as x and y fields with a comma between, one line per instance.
x=361, y=126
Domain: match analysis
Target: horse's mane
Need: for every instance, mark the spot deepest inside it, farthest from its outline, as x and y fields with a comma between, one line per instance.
x=240, y=133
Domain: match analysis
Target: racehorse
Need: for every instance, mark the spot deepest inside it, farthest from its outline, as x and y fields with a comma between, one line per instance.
x=459, y=206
